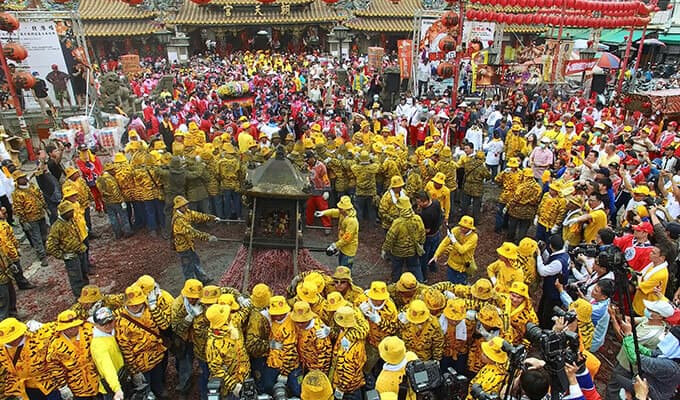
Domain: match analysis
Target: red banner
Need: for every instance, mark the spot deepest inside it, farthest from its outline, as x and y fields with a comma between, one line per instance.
x=578, y=66
x=405, y=54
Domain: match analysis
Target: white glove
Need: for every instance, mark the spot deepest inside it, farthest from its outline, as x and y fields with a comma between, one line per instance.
x=426, y=162
x=244, y=301
x=374, y=317
x=383, y=254
x=505, y=210
x=123, y=205
x=325, y=195
x=274, y=345
x=323, y=332
x=338, y=394
x=555, y=229
x=345, y=343
x=402, y=318
x=196, y=309
x=327, y=160
x=119, y=395
x=189, y=318
x=282, y=378
x=536, y=220
x=449, y=294
x=318, y=214
x=66, y=393
x=33, y=325
x=365, y=308
x=212, y=238
x=471, y=315
x=69, y=256
x=237, y=390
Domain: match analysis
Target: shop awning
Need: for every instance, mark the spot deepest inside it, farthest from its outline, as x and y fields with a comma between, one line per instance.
x=111, y=9
x=118, y=28
x=381, y=24
x=568, y=33
x=616, y=36
x=671, y=38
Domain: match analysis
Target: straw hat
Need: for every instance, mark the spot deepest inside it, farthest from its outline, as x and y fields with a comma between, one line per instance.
x=468, y=222
x=519, y=288
x=344, y=317
x=490, y=316
x=217, y=315
x=90, y=294
x=11, y=329
x=396, y=181
x=482, y=289
x=308, y=292
x=407, y=282
x=278, y=306
x=378, y=291
x=210, y=294
x=67, y=319
x=192, y=289
x=179, y=201
x=302, y=312
x=392, y=350
x=316, y=386
x=508, y=250
x=439, y=178
x=455, y=309
x=417, y=312
x=334, y=301
x=493, y=349
x=134, y=295
x=260, y=295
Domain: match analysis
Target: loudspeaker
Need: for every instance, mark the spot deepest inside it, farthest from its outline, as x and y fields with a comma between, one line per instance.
x=599, y=83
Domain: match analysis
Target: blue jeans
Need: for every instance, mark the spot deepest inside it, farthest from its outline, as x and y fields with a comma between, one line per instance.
x=191, y=266
x=139, y=212
x=501, y=218
x=218, y=205
x=156, y=377
x=231, y=201
x=455, y=276
x=37, y=394
x=269, y=376
x=203, y=379
x=38, y=236
x=412, y=265
x=150, y=215
x=430, y=246
x=118, y=218
x=365, y=208
x=345, y=260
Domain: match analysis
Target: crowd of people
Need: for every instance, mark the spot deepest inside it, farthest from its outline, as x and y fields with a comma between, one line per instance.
x=588, y=208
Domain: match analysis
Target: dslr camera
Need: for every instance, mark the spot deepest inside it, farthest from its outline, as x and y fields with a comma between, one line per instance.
x=569, y=316
x=248, y=391
x=588, y=249
x=478, y=393
x=429, y=383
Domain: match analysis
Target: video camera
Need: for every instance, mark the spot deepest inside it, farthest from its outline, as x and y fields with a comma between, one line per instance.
x=569, y=315
x=558, y=349
x=429, y=383
x=249, y=392
x=477, y=393
x=587, y=249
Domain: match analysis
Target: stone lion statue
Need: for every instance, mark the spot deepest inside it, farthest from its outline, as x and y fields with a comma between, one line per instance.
x=116, y=95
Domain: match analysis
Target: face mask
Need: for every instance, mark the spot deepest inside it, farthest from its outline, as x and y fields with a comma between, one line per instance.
x=648, y=314
x=542, y=145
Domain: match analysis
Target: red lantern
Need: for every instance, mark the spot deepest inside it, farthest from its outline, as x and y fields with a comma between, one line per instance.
x=450, y=19
x=14, y=51
x=60, y=2
x=24, y=80
x=8, y=22
x=445, y=70
x=447, y=44
x=201, y=2
x=329, y=2
x=470, y=14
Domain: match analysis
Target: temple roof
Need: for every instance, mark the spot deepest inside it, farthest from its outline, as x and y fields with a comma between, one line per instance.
x=112, y=9
x=118, y=28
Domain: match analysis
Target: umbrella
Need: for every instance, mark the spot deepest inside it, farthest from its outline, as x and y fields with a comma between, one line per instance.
x=608, y=60
x=653, y=42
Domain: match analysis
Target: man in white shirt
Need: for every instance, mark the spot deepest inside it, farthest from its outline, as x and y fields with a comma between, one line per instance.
x=538, y=129
x=423, y=74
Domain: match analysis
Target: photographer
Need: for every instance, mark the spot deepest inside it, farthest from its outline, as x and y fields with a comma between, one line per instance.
x=552, y=267
x=534, y=382
x=592, y=271
x=636, y=246
x=492, y=376
x=660, y=367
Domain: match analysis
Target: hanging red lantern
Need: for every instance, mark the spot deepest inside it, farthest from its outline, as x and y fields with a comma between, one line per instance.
x=133, y=2
x=14, y=51
x=450, y=19
x=330, y=2
x=447, y=44
x=445, y=70
x=24, y=80
x=470, y=14
x=8, y=22
x=201, y=2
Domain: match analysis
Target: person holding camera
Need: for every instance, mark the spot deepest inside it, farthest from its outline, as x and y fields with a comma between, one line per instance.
x=551, y=267
x=492, y=376
x=652, y=280
x=393, y=352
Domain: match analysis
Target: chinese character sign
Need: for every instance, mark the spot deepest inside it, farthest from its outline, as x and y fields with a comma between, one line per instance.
x=405, y=53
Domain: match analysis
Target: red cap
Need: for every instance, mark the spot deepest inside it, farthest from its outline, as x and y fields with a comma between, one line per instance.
x=220, y=122
x=672, y=123
x=632, y=161
x=644, y=227
x=338, y=119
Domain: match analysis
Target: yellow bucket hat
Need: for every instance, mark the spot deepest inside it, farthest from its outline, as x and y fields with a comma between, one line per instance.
x=417, y=312
x=396, y=181
x=316, y=386
x=345, y=203
x=455, y=309
x=378, y=291
x=468, y=222
x=179, y=201
x=192, y=289
x=439, y=178
x=217, y=315
x=407, y=282
x=307, y=292
x=482, y=289
x=490, y=316
x=228, y=299
x=493, y=349
x=301, y=312
x=90, y=294
x=119, y=158
x=11, y=329
x=343, y=273
x=519, y=288
x=278, y=306
x=260, y=295
x=334, y=301
x=210, y=294
x=392, y=350
x=344, y=317
x=134, y=295
x=584, y=310
x=67, y=319
x=434, y=300
x=146, y=283
x=527, y=247
x=508, y=250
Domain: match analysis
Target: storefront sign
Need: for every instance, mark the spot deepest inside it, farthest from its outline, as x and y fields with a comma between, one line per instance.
x=405, y=53
x=578, y=66
x=130, y=64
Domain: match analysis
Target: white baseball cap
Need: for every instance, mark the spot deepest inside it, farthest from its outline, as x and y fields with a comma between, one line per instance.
x=661, y=307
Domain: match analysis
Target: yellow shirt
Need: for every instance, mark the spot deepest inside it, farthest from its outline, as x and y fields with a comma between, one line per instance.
x=598, y=221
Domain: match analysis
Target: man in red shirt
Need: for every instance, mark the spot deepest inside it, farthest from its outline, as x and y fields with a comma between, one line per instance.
x=321, y=187
x=636, y=246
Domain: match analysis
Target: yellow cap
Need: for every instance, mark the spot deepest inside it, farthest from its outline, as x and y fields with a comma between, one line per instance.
x=378, y=291
x=278, y=306
x=260, y=295
x=90, y=294
x=134, y=295
x=417, y=312
x=396, y=181
x=429, y=140
x=493, y=349
x=11, y=329
x=513, y=162
x=318, y=280
x=302, y=312
x=70, y=171
x=316, y=386
x=307, y=292
x=68, y=191
x=641, y=189
x=392, y=350
x=407, y=282
x=344, y=317
x=192, y=289
x=345, y=203
x=519, y=288
x=18, y=174
x=210, y=294
x=217, y=315
x=119, y=158
x=67, y=319
x=146, y=283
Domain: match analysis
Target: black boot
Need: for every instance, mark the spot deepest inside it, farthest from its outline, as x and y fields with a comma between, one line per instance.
x=20, y=279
